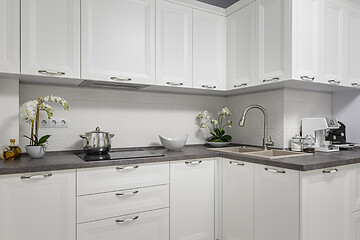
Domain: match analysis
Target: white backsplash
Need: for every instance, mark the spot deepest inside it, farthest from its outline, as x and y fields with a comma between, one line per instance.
x=136, y=118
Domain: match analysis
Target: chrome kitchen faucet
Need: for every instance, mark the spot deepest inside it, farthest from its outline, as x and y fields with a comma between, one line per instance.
x=267, y=141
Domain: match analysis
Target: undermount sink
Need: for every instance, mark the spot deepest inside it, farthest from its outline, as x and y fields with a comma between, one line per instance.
x=259, y=152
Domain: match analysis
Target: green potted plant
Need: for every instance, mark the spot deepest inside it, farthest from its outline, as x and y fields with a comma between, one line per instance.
x=30, y=111
x=217, y=126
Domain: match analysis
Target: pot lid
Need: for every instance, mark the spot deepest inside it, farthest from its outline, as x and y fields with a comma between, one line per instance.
x=97, y=130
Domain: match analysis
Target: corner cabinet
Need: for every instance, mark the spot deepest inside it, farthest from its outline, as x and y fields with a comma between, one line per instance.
x=173, y=44
x=10, y=36
x=38, y=206
x=208, y=50
x=50, y=38
x=192, y=199
x=118, y=40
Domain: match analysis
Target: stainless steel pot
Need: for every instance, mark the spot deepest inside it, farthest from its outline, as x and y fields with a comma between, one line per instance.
x=97, y=142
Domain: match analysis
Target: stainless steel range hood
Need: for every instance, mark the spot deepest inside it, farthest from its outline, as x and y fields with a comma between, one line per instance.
x=112, y=85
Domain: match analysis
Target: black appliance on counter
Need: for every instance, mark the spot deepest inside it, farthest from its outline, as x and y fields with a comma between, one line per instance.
x=118, y=155
x=338, y=138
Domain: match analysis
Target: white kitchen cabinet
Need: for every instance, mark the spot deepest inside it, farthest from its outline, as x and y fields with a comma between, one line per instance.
x=273, y=40
x=355, y=226
x=209, y=59
x=50, y=38
x=10, y=36
x=241, y=47
x=332, y=41
x=355, y=189
x=38, y=206
x=192, y=194
x=352, y=46
x=118, y=40
x=238, y=200
x=277, y=203
x=305, y=40
x=173, y=44
x=325, y=205
x=152, y=225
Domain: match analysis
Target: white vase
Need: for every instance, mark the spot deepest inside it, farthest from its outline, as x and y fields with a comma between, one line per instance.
x=35, y=151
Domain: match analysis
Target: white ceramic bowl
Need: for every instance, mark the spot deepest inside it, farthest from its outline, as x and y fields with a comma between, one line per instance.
x=173, y=144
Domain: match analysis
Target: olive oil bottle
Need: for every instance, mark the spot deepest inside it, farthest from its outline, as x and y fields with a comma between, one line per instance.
x=12, y=152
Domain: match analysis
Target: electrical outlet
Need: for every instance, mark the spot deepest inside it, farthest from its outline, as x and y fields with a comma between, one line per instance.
x=54, y=123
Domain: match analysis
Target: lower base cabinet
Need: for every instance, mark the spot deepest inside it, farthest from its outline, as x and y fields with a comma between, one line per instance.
x=38, y=206
x=355, y=226
x=152, y=225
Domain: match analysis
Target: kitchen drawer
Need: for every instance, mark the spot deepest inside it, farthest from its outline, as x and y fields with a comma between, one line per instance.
x=115, y=178
x=152, y=225
x=112, y=204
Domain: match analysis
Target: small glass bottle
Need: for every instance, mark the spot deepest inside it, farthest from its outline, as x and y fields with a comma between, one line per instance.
x=296, y=144
x=12, y=152
x=308, y=144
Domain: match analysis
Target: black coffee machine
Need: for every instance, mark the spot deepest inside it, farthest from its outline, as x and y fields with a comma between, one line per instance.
x=338, y=138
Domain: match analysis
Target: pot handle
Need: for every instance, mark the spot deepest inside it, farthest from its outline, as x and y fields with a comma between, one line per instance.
x=112, y=135
x=83, y=136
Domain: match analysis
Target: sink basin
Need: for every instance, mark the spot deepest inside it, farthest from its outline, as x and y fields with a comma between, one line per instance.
x=240, y=149
x=277, y=154
x=259, y=152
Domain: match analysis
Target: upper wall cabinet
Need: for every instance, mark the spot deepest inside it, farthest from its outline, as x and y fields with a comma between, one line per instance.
x=241, y=47
x=209, y=50
x=173, y=44
x=352, y=45
x=332, y=41
x=118, y=40
x=274, y=40
x=50, y=37
x=10, y=36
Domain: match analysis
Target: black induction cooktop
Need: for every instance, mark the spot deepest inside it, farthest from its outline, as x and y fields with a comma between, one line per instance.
x=118, y=155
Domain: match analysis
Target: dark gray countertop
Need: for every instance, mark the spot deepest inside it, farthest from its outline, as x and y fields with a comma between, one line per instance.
x=68, y=160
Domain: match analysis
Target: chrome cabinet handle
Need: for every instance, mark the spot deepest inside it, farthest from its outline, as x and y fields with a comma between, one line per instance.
x=127, y=193
x=127, y=167
x=333, y=81
x=47, y=72
x=127, y=219
x=272, y=79
x=37, y=176
x=240, y=85
x=355, y=85
x=193, y=162
x=274, y=170
x=330, y=171
x=175, y=83
x=307, y=78
x=236, y=163
x=120, y=79
x=208, y=86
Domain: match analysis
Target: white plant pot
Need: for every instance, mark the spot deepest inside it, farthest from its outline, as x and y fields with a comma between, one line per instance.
x=35, y=151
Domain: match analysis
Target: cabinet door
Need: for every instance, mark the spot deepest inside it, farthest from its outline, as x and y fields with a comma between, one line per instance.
x=355, y=226
x=238, y=200
x=325, y=204
x=331, y=41
x=305, y=39
x=173, y=44
x=274, y=40
x=38, y=206
x=50, y=38
x=276, y=203
x=192, y=204
x=355, y=189
x=118, y=40
x=152, y=225
x=352, y=46
x=209, y=50
x=10, y=36
x=241, y=47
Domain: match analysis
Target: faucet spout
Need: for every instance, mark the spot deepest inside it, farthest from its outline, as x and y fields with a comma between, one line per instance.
x=266, y=140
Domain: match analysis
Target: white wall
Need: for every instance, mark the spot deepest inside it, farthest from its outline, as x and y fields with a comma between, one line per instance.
x=136, y=118
x=346, y=107
x=9, y=120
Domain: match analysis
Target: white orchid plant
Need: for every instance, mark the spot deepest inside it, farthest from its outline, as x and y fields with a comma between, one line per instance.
x=216, y=126
x=30, y=111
